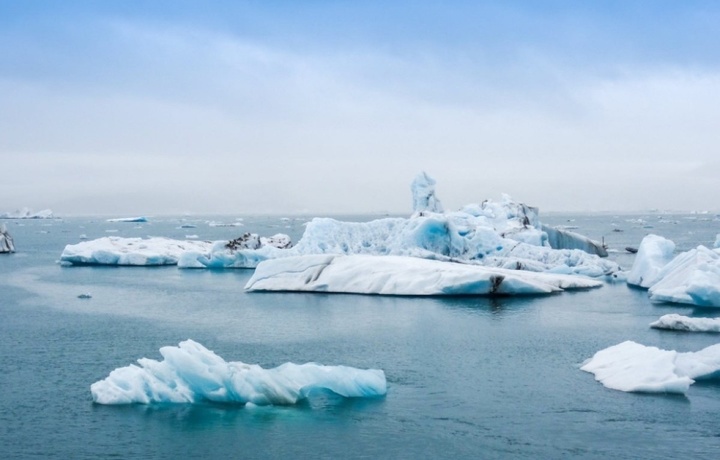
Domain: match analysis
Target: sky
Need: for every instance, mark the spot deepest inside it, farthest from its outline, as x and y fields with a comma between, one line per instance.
x=325, y=107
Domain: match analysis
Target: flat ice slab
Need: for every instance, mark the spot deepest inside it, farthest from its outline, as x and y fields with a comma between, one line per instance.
x=633, y=367
x=128, y=219
x=114, y=250
x=190, y=373
x=399, y=275
x=684, y=323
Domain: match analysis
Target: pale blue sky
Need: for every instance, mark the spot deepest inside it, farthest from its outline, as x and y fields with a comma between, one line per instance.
x=324, y=107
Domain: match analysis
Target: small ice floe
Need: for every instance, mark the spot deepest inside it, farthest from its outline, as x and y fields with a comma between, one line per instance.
x=85, y=296
x=191, y=237
x=677, y=322
x=190, y=373
x=83, y=236
x=633, y=367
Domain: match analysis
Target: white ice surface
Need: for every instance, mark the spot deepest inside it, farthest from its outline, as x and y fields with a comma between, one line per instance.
x=130, y=251
x=684, y=323
x=398, y=275
x=692, y=277
x=630, y=366
x=653, y=254
x=190, y=373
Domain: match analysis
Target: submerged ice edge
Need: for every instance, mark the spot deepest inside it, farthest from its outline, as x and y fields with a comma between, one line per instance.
x=190, y=373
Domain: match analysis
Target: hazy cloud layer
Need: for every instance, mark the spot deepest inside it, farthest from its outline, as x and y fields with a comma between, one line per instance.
x=334, y=108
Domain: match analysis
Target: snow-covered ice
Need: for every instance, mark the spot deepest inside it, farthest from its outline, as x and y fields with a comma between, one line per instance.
x=677, y=322
x=397, y=275
x=129, y=251
x=630, y=366
x=6, y=241
x=190, y=373
x=653, y=254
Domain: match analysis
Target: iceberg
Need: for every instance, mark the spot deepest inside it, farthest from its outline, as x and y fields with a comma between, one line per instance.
x=684, y=323
x=190, y=373
x=128, y=219
x=692, y=277
x=112, y=250
x=6, y=242
x=497, y=234
x=26, y=213
x=398, y=275
x=633, y=367
x=165, y=251
x=654, y=253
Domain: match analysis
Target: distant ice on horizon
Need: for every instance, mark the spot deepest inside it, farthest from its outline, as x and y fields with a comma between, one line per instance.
x=27, y=213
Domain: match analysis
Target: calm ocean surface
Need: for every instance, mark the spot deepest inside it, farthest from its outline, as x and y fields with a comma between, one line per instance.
x=467, y=377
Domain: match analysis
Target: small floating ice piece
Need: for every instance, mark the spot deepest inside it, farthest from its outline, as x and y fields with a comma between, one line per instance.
x=190, y=373
x=85, y=296
x=684, y=323
x=633, y=367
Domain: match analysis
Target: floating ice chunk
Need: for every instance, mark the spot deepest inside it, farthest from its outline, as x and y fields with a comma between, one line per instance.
x=190, y=373
x=717, y=241
x=692, y=277
x=684, y=323
x=86, y=295
x=246, y=251
x=397, y=275
x=423, y=192
x=129, y=251
x=128, y=219
x=654, y=253
x=6, y=241
x=630, y=366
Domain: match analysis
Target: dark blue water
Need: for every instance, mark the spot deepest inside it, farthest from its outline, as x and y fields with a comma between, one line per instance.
x=467, y=377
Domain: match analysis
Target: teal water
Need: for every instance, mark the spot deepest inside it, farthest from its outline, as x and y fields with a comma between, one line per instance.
x=467, y=377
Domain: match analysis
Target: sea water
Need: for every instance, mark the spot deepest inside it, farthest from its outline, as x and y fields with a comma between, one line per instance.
x=468, y=377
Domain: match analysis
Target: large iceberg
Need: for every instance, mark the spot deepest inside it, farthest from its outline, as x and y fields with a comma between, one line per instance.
x=500, y=234
x=397, y=275
x=684, y=323
x=190, y=373
x=6, y=241
x=630, y=366
x=692, y=277
x=114, y=250
x=26, y=213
